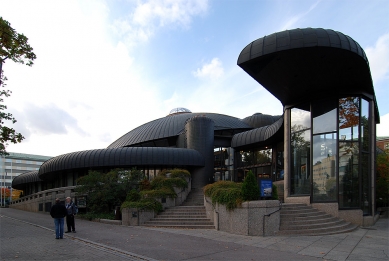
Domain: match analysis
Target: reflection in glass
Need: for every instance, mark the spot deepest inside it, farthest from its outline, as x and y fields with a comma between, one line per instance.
x=300, y=156
x=324, y=116
x=348, y=175
x=366, y=199
x=324, y=167
x=300, y=119
x=348, y=118
x=365, y=125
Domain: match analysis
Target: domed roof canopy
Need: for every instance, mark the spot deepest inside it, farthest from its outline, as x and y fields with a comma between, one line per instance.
x=258, y=120
x=296, y=65
x=24, y=178
x=173, y=125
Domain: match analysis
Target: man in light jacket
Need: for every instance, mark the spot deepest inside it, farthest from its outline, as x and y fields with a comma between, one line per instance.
x=71, y=211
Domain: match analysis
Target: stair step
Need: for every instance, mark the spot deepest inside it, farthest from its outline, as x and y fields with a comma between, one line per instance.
x=185, y=226
x=312, y=226
x=309, y=221
x=171, y=223
x=302, y=215
x=348, y=227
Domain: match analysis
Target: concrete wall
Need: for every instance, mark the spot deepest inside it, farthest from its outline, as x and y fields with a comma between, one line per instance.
x=135, y=217
x=248, y=219
x=31, y=202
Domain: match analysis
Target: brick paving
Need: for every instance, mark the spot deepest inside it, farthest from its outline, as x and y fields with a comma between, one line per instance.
x=30, y=236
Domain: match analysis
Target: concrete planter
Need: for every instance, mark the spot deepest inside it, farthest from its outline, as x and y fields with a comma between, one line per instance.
x=135, y=217
x=249, y=219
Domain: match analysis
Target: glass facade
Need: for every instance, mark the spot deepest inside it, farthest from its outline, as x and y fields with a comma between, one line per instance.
x=300, y=151
x=349, y=112
x=330, y=152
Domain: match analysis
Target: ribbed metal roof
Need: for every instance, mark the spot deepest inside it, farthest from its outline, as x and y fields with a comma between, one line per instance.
x=258, y=120
x=173, y=125
x=122, y=157
x=257, y=135
x=27, y=177
x=303, y=64
x=299, y=38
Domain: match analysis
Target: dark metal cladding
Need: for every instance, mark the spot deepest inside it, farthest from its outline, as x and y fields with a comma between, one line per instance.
x=200, y=136
x=24, y=178
x=172, y=125
x=258, y=120
x=257, y=135
x=129, y=156
x=296, y=65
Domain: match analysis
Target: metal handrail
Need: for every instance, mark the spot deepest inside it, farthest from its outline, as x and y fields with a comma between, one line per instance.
x=268, y=215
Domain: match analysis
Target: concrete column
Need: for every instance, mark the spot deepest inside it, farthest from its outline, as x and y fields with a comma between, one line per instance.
x=286, y=153
x=373, y=153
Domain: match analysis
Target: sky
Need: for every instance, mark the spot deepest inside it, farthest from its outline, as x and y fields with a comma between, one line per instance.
x=104, y=68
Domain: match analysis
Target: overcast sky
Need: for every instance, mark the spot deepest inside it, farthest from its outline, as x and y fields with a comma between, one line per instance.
x=106, y=67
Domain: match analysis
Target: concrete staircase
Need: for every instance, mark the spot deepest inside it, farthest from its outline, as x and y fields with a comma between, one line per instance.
x=300, y=219
x=191, y=214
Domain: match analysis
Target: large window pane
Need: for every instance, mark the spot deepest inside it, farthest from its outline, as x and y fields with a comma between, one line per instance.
x=324, y=167
x=366, y=197
x=365, y=125
x=300, y=156
x=348, y=175
x=324, y=116
x=300, y=119
x=348, y=118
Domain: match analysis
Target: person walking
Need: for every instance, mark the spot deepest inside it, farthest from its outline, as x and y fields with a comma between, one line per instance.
x=58, y=212
x=71, y=211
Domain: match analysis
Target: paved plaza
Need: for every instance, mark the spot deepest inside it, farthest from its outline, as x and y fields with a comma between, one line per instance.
x=30, y=236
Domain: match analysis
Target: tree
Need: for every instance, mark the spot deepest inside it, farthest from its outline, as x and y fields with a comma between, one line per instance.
x=13, y=46
x=250, y=188
x=107, y=190
x=382, y=180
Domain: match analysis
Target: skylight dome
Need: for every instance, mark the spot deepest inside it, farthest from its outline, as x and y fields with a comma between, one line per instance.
x=179, y=110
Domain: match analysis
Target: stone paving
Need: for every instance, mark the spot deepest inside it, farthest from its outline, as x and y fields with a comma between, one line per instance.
x=30, y=236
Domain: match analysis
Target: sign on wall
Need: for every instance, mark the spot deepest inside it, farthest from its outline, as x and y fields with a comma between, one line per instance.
x=266, y=187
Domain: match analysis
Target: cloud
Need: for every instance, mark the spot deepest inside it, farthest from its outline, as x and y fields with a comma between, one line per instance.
x=378, y=56
x=383, y=127
x=212, y=70
x=291, y=22
x=149, y=16
x=49, y=119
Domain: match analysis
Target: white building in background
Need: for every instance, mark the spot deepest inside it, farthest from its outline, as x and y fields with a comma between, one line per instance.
x=15, y=164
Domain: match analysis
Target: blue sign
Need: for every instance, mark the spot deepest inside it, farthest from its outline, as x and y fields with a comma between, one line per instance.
x=266, y=187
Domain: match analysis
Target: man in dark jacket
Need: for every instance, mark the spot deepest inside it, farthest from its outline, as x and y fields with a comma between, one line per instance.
x=58, y=212
x=71, y=211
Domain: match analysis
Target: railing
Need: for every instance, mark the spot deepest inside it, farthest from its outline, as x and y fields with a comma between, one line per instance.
x=268, y=215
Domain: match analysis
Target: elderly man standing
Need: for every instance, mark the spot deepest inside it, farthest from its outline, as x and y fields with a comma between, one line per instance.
x=58, y=212
x=71, y=211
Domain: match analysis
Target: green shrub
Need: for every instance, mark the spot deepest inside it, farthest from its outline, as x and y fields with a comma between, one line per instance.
x=164, y=192
x=161, y=181
x=274, y=192
x=227, y=193
x=250, y=189
x=133, y=195
x=210, y=188
x=180, y=173
x=145, y=185
x=148, y=203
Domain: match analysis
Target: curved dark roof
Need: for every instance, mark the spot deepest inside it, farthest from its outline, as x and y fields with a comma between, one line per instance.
x=122, y=157
x=27, y=177
x=258, y=120
x=173, y=125
x=296, y=65
x=257, y=135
